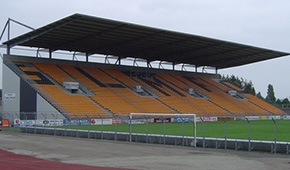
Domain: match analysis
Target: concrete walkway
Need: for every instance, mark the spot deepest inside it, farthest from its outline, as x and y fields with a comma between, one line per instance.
x=105, y=153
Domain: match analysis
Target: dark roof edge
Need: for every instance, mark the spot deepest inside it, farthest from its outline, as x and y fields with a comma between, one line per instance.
x=39, y=31
x=19, y=39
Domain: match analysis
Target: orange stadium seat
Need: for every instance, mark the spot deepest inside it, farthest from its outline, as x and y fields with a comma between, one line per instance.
x=75, y=104
x=113, y=91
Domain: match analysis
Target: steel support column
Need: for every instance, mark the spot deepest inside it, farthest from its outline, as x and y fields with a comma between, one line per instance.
x=87, y=57
x=50, y=53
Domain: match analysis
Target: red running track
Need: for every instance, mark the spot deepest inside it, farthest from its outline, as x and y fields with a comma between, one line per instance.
x=11, y=161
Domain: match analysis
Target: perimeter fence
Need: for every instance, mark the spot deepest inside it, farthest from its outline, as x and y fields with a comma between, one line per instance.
x=261, y=133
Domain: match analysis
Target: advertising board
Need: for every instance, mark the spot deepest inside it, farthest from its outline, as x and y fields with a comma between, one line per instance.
x=44, y=122
x=161, y=120
x=101, y=121
x=180, y=120
x=116, y=121
x=206, y=119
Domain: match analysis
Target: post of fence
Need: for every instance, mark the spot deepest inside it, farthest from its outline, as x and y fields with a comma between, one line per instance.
x=18, y=117
x=95, y=116
x=225, y=131
x=57, y=120
x=115, y=126
x=11, y=118
x=130, y=127
x=102, y=128
x=203, y=138
x=194, y=130
x=43, y=126
x=65, y=124
x=26, y=124
x=89, y=124
x=95, y=127
x=45, y=117
x=35, y=123
x=146, y=130
x=249, y=134
x=275, y=135
x=78, y=123
x=54, y=118
x=164, y=130
x=183, y=131
x=8, y=120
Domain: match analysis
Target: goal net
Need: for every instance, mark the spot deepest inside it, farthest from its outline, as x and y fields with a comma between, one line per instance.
x=168, y=124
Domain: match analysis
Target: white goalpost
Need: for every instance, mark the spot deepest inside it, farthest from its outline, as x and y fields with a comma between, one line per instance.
x=181, y=118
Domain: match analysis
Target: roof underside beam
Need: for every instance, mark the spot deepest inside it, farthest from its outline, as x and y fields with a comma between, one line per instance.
x=123, y=44
x=156, y=48
x=243, y=58
x=85, y=38
x=180, y=54
x=213, y=55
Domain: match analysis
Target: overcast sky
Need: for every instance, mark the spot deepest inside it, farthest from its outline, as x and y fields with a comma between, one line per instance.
x=261, y=23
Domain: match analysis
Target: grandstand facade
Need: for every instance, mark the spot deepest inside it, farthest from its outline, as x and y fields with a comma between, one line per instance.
x=74, y=89
x=105, y=91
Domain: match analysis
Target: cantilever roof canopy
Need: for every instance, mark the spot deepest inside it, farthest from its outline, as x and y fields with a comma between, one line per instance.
x=93, y=35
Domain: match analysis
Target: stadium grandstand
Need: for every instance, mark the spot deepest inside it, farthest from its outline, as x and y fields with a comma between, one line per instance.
x=82, y=89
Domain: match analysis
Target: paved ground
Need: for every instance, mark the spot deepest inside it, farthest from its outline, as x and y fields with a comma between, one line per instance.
x=11, y=161
x=106, y=153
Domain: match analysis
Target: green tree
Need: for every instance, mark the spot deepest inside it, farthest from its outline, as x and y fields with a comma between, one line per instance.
x=239, y=82
x=249, y=88
x=242, y=83
x=279, y=102
x=259, y=95
x=286, y=101
x=270, y=98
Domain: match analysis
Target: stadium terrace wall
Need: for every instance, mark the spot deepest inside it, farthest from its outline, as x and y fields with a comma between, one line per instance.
x=19, y=97
x=11, y=90
x=1, y=105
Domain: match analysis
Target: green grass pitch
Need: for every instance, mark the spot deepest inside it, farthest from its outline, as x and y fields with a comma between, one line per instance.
x=260, y=130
